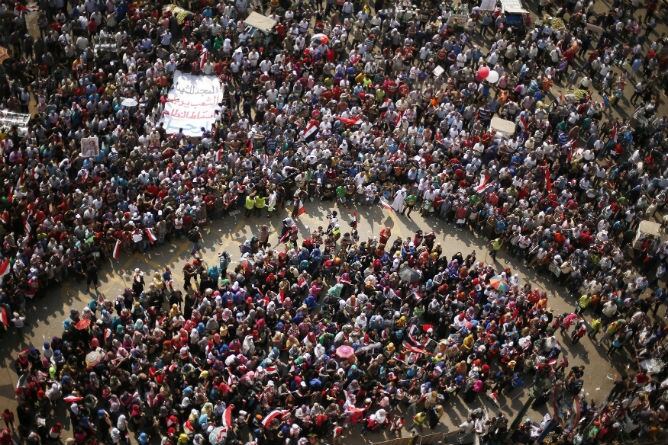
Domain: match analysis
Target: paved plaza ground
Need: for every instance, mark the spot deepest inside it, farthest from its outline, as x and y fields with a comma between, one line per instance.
x=45, y=315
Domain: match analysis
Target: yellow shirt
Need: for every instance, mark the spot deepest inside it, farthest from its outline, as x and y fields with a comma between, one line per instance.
x=250, y=202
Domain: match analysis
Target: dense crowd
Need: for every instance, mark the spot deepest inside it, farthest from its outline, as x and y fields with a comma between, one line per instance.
x=567, y=191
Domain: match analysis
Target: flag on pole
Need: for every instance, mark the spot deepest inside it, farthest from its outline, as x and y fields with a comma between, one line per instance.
x=310, y=130
x=150, y=235
x=5, y=267
x=26, y=227
x=524, y=122
x=203, y=58
x=548, y=179
x=117, y=250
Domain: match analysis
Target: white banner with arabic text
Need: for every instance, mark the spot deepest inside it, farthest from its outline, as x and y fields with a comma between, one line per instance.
x=192, y=104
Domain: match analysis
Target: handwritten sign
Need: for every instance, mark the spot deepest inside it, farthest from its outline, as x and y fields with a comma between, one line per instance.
x=192, y=104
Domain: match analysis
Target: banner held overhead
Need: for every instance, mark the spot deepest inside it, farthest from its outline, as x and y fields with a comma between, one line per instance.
x=261, y=22
x=192, y=104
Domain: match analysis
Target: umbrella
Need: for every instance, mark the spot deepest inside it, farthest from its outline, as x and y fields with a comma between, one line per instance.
x=322, y=38
x=570, y=318
x=409, y=275
x=499, y=283
x=129, y=102
x=94, y=357
x=368, y=348
x=492, y=77
x=482, y=73
x=653, y=365
x=345, y=352
x=82, y=324
x=218, y=435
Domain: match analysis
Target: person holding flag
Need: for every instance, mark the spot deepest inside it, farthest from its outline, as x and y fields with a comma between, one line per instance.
x=298, y=203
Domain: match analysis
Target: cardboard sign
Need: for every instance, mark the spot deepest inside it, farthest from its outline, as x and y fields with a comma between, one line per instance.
x=90, y=147
x=488, y=5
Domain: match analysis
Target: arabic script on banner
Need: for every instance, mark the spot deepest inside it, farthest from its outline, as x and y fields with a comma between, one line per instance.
x=192, y=104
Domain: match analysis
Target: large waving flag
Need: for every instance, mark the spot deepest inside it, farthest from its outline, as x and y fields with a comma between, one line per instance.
x=484, y=184
x=275, y=414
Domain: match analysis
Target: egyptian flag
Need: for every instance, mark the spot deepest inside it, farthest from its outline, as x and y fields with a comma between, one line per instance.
x=385, y=204
x=5, y=267
x=301, y=210
x=203, y=58
x=117, y=250
x=485, y=182
x=219, y=155
x=150, y=235
x=415, y=349
x=4, y=217
x=4, y=317
x=310, y=130
x=285, y=237
x=548, y=179
x=400, y=116
x=273, y=369
x=275, y=414
x=524, y=122
x=613, y=133
x=26, y=227
x=349, y=120
x=356, y=219
x=571, y=146
x=227, y=417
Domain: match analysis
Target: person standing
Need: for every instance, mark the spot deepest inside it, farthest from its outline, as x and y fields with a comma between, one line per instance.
x=260, y=203
x=138, y=282
x=249, y=205
x=298, y=204
x=495, y=246
x=196, y=238
x=399, y=199
x=92, y=276
x=271, y=204
x=411, y=200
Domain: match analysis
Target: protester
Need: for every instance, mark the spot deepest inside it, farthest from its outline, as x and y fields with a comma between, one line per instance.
x=334, y=103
